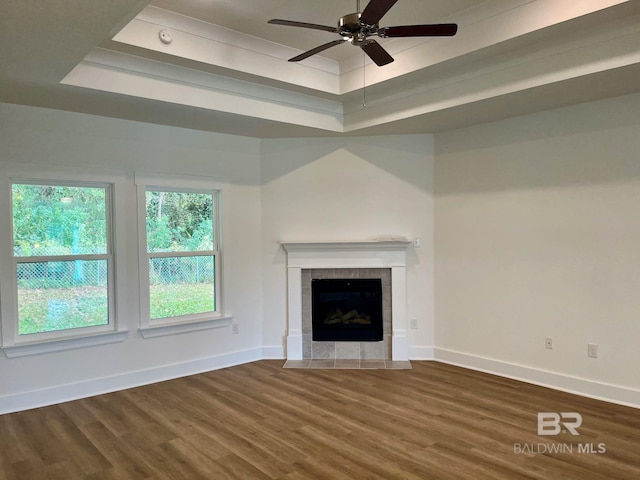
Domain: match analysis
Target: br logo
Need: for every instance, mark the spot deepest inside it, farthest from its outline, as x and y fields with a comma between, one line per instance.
x=552, y=423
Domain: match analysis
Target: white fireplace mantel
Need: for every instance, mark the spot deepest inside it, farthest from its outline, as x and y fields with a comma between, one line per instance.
x=363, y=254
x=372, y=245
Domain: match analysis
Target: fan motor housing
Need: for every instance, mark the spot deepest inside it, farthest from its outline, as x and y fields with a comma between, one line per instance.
x=350, y=25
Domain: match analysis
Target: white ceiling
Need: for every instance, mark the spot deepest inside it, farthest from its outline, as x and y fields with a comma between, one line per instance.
x=226, y=69
x=243, y=17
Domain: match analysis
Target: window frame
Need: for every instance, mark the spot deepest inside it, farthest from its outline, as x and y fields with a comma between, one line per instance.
x=12, y=342
x=191, y=322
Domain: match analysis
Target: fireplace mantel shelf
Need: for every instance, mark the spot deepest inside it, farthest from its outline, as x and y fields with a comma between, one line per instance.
x=370, y=245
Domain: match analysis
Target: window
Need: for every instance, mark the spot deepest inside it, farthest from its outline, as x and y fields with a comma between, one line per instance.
x=62, y=260
x=180, y=255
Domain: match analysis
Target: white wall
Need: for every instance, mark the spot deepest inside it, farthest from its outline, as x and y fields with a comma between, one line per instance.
x=537, y=234
x=69, y=141
x=346, y=189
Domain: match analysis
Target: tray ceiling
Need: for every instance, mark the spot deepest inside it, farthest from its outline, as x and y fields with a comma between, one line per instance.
x=226, y=69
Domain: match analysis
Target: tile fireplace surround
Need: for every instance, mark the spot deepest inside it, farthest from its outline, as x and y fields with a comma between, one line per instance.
x=342, y=349
x=326, y=256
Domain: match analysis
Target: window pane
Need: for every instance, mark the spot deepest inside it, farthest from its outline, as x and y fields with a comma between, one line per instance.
x=61, y=295
x=179, y=222
x=181, y=286
x=59, y=220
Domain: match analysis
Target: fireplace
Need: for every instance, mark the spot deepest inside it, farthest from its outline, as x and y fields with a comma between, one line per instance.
x=345, y=310
x=361, y=259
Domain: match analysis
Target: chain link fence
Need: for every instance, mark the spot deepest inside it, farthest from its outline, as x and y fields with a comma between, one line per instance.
x=62, y=274
x=181, y=270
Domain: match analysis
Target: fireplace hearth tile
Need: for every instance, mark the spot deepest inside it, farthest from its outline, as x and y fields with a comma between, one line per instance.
x=391, y=365
x=297, y=364
x=348, y=364
x=377, y=364
x=322, y=363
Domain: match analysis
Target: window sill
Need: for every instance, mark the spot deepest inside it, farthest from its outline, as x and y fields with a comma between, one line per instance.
x=178, y=328
x=26, y=349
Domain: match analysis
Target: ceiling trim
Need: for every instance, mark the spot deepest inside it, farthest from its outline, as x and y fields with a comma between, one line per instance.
x=120, y=73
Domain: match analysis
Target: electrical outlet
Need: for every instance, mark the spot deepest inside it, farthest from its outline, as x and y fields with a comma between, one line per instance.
x=413, y=323
x=592, y=350
x=235, y=329
x=548, y=343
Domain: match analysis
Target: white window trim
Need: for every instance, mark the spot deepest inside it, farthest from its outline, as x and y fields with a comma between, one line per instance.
x=186, y=323
x=15, y=345
x=62, y=344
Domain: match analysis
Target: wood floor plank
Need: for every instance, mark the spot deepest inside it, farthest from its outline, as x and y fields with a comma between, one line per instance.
x=232, y=467
x=77, y=412
x=29, y=469
x=120, y=455
x=65, y=470
x=38, y=434
x=82, y=455
x=259, y=421
x=14, y=445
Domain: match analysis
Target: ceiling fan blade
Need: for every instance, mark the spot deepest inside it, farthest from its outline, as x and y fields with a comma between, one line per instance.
x=376, y=53
x=319, y=49
x=290, y=23
x=438, y=30
x=375, y=10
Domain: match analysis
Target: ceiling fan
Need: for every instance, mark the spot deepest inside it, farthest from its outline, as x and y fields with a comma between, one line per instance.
x=358, y=27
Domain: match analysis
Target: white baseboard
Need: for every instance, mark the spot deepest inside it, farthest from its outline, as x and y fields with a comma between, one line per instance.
x=422, y=353
x=273, y=353
x=98, y=386
x=566, y=383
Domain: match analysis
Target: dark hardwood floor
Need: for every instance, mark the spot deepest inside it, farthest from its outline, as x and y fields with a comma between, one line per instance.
x=259, y=421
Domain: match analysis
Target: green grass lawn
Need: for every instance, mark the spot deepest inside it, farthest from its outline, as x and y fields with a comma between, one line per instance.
x=50, y=309
x=181, y=299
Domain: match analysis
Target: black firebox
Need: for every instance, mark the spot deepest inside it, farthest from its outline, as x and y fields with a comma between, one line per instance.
x=347, y=310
